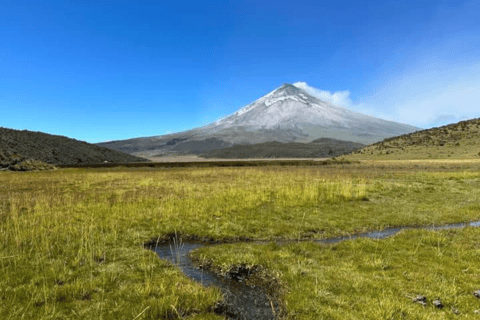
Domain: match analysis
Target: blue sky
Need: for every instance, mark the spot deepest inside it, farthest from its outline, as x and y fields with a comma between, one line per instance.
x=110, y=70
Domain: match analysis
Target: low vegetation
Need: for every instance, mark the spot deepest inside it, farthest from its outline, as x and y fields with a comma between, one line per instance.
x=17, y=162
x=456, y=141
x=37, y=147
x=72, y=240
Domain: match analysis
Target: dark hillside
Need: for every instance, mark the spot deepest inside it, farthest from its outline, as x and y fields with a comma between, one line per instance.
x=457, y=140
x=18, y=148
x=320, y=148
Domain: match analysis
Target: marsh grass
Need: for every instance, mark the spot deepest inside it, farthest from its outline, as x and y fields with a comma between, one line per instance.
x=72, y=240
x=71, y=254
x=369, y=279
x=176, y=249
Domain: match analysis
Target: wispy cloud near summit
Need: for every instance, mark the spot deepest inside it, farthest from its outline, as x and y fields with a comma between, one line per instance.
x=423, y=97
x=338, y=98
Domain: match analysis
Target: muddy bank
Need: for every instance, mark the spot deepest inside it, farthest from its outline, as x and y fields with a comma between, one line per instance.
x=250, y=292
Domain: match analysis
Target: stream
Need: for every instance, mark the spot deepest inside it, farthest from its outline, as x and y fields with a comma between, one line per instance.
x=252, y=302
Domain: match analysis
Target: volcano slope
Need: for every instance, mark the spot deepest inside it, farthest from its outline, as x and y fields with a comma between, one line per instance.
x=29, y=150
x=454, y=141
x=287, y=114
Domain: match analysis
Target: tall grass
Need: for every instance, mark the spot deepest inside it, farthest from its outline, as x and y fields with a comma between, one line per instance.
x=65, y=253
x=71, y=240
x=176, y=249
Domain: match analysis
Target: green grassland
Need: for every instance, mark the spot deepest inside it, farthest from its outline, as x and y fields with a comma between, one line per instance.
x=72, y=240
x=369, y=279
x=456, y=141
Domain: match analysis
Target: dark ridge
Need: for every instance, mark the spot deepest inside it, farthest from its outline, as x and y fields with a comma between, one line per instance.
x=320, y=148
x=18, y=148
x=175, y=141
x=214, y=164
x=200, y=146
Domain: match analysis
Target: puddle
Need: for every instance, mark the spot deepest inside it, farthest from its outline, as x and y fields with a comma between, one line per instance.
x=245, y=302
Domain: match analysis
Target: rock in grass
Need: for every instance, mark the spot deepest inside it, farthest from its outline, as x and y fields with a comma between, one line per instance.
x=421, y=300
x=438, y=304
x=477, y=293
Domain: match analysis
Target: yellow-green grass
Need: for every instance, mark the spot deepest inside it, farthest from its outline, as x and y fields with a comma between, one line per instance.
x=71, y=240
x=369, y=279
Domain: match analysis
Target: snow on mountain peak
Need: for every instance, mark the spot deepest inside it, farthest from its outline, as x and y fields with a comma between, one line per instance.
x=290, y=107
x=282, y=95
x=269, y=102
x=287, y=91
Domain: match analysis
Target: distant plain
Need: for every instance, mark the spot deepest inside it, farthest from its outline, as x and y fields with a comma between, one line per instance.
x=195, y=158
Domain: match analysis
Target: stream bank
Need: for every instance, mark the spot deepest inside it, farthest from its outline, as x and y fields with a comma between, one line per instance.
x=249, y=292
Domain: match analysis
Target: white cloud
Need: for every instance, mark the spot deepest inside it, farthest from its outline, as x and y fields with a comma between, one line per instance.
x=342, y=99
x=425, y=96
x=338, y=98
x=434, y=95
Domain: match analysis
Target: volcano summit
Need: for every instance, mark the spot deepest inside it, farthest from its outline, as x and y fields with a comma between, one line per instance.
x=287, y=114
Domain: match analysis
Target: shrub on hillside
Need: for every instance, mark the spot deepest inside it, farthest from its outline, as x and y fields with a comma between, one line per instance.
x=16, y=162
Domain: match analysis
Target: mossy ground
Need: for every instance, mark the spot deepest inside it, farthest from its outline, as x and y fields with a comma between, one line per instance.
x=71, y=240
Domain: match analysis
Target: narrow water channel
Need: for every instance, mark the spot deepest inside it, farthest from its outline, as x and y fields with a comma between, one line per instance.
x=253, y=303
x=242, y=301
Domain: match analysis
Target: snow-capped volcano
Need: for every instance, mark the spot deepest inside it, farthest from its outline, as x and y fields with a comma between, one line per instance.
x=292, y=108
x=287, y=114
x=289, y=106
